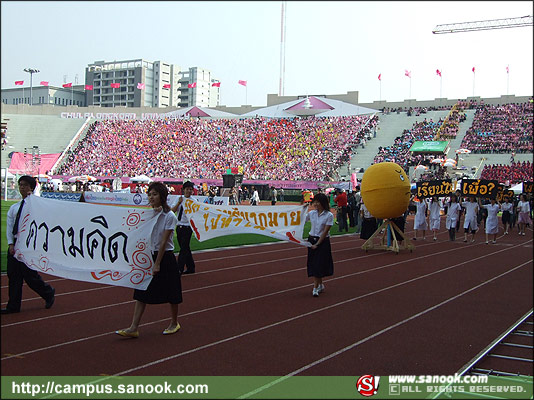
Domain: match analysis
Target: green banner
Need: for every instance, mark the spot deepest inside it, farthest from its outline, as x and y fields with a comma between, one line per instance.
x=437, y=146
x=265, y=387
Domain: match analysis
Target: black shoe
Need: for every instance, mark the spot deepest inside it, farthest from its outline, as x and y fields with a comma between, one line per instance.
x=50, y=302
x=8, y=311
x=189, y=271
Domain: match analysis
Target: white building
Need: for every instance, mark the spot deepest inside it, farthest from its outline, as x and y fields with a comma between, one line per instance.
x=54, y=95
x=196, y=88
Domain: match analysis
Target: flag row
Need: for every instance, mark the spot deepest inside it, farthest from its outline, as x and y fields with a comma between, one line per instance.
x=139, y=85
x=438, y=72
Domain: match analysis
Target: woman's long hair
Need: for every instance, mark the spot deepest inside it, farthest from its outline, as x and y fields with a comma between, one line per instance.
x=322, y=200
x=163, y=194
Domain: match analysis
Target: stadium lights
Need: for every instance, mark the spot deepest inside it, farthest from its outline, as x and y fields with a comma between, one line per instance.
x=31, y=71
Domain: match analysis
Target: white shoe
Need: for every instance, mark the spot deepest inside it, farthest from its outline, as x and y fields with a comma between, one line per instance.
x=494, y=241
x=315, y=292
x=320, y=288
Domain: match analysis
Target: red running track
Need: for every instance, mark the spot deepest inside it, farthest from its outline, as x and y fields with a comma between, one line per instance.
x=249, y=311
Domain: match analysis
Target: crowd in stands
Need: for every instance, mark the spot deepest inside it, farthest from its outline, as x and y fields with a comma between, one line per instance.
x=399, y=151
x=511, y=174
x=280, y=149
x=451, y=125
x=501, y=129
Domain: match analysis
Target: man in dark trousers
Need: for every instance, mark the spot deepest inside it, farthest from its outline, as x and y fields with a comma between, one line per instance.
x=184, y=232
x=18, y=272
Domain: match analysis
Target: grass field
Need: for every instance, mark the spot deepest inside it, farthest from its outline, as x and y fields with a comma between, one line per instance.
x=225, y=241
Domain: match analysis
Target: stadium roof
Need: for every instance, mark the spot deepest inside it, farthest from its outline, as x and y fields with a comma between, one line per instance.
x=200, y=112
x=320, y=107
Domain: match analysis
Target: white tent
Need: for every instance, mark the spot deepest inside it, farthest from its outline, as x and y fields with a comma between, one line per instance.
x=517, y=188
x=318, y=106
x=141, y=179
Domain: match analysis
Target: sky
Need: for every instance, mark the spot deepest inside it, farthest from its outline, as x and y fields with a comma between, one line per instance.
x=330, y=47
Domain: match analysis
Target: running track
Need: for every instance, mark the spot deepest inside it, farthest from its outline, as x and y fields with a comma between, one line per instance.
x=249, y=311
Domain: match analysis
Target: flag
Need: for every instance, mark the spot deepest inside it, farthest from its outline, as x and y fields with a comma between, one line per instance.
x=473, y=70
x=380, y=77
x=140, y=85
x=407, y=73
x=216, y=84
x=192, y=85
x=244, y=83
x=67, y=85
x=115, y=85
x=167, y=86
x=438, y=72
x=507, y=70
x=44, y=83
x=88, y=87
x=19, y=82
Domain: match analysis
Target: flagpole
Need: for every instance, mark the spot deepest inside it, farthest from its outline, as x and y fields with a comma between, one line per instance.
x=246, y=94
x=507, y=80
x=473, y=83
x=380, y=89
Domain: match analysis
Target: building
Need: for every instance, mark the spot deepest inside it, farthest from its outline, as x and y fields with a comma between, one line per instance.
x=196, y=88
x=54, y=95
x=144, y=83
x=138, y=83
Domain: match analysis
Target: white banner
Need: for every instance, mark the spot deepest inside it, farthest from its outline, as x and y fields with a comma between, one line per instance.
x=140, y=199
x=87, y=242
x=280, y=222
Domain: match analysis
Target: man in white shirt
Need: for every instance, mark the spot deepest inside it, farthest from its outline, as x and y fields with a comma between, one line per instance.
x=18, y=272
x=184, y=232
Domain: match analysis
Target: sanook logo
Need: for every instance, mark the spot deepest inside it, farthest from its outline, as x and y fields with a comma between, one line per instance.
x=367, y=385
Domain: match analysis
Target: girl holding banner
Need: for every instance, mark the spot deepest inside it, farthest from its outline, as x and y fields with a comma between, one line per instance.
x=434, y=209
x=470, y=221
x=166, y=286
x=453, y=214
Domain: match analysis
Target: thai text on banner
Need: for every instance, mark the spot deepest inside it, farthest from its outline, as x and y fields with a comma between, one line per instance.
x=279, y=222
x=87, y=242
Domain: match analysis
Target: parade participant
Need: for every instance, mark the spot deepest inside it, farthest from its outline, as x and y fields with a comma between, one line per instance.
x=507, y=210
x=165, y=286
x=420, y=222
x=434, y=216
x=523, y=211
x=184, y=232
x=492, y=222
x=453, y=213
x=320, y=262
x=470, y=221
x=17, y=271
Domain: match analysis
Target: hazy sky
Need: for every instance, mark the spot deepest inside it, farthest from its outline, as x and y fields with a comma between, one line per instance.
x=331, y=47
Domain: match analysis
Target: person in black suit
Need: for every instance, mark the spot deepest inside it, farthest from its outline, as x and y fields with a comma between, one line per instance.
x=18, y=272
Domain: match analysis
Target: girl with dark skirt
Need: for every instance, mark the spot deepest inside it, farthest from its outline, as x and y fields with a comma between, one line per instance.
x=506, y=208
x=320, y=262
x=369, y=223
x=166, y=286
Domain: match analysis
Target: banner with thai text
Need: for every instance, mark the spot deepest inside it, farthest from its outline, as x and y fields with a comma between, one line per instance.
x=438, y=188
x=483, y=188
x=527, y=187
x=87, y=242
x=280, y=222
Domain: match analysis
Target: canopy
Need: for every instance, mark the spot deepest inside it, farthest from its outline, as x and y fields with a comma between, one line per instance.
x=433, y=147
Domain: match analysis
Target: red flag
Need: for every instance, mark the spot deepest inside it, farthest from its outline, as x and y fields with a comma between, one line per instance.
x=192, y=85
x=88, y=87
x=140, y=85
x=407, y=73
x=115, y=85
x=473, y=69
x=167, y=86
x=244, y=83
x=379, y=77
x=67, y=85
x=507, y=70
x=19, y=83
x=438, y=72
x=44, y=83
x=216, y=84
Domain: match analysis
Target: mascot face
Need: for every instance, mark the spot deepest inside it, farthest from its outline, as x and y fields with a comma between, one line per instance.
x=385, y=190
